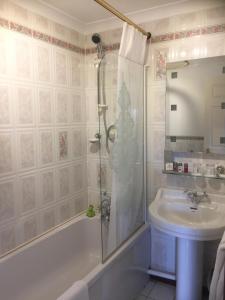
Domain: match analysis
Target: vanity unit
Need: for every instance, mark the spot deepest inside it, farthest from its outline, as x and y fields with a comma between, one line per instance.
x=192, y=217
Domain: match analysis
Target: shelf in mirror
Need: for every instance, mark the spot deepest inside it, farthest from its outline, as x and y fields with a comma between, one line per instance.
x=221, y=177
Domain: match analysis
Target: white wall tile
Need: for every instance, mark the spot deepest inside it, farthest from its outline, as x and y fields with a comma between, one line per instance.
x=46, y=147
x=78, y=143
x=64, y=211
x=43, y=60
x=63, y=175
x=28, y=193
x=7, y=201
x=47, y=187
x=45, y=106
x=22, y=60
x=92, y=106
x=80, y=202
x=5, y=106
x=62, y=144
x=19, y=14
x=30, y=227
x=78, y=174
x=77, y=106
x=41, y=24
x=24, y=105
x=48, y=219
x=63, y=108
x=26, y=147
x=3, y=53
x=61, y=67
x=76, y=70
x=7, y=160
x=7, y=238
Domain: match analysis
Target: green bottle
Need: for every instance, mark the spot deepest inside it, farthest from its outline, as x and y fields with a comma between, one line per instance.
x=90, y=211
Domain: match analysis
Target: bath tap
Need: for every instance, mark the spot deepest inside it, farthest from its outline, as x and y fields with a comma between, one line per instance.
x=220, y=170
x=105, y=206
x=196, y=197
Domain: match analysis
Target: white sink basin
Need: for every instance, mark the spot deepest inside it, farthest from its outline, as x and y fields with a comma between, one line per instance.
x=173, y=213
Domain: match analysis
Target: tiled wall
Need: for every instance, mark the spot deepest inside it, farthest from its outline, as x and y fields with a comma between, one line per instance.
x=42, y=125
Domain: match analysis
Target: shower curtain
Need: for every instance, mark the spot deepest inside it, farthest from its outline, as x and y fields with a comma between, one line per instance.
x=127, y=200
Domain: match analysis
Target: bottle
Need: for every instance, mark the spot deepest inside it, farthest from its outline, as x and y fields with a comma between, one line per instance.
x=90, y=211
x=175, y=166
x=180, y=167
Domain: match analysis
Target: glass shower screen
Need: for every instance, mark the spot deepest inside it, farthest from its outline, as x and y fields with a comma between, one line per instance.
x=121, y=127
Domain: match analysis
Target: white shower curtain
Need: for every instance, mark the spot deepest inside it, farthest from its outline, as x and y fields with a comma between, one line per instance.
x=127, y=152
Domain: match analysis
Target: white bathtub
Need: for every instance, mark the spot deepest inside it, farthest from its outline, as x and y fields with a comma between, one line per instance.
x=48, y=266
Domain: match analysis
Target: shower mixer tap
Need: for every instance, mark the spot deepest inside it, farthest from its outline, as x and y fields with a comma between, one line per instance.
x=105, y=206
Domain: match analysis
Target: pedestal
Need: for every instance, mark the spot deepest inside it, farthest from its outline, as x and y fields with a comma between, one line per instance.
x=189, y=269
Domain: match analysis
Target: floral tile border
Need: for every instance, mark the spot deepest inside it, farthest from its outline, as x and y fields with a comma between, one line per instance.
x=111, y=47
x=172, y=36
x=39, y=36
x=189, y=33
x=155, y=39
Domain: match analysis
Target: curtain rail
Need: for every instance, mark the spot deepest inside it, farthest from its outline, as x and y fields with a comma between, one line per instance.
x=122, y=17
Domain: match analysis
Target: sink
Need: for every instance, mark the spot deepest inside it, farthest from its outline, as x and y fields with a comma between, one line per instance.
x=173, y=213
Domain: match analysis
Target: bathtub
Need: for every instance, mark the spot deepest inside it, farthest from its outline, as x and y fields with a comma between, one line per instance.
x=45, y=268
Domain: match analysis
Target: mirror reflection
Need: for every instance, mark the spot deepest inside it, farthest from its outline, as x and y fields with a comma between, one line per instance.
x=195, y=106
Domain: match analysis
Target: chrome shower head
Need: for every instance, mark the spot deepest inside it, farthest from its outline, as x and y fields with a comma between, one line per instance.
x=96, y=38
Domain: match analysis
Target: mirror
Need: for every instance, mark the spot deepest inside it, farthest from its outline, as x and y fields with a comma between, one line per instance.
x=195, y=106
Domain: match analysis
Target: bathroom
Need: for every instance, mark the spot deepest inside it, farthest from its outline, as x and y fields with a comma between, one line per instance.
x=112, y=179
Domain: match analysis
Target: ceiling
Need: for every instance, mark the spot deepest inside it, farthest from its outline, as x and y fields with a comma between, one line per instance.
x=88, y=11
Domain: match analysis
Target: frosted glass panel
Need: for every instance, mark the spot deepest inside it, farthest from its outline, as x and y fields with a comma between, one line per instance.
x=122, y=149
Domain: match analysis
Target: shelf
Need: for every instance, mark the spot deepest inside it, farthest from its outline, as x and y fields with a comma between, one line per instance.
x=200, y=155
x=222, y=177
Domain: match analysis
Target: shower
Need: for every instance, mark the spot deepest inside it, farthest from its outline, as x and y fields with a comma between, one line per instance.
x=96, y=38
x=102, y=103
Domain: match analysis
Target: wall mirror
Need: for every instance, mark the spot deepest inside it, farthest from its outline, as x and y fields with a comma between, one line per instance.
x=195, y=106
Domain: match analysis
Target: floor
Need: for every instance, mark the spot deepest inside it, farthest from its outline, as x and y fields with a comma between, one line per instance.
x=156, y=290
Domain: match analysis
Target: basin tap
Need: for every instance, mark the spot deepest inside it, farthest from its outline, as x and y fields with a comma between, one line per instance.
x=197, y=197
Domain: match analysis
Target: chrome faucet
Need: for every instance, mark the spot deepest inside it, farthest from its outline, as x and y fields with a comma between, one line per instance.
x=220, y=170
x=196, y=197
x=105, y=206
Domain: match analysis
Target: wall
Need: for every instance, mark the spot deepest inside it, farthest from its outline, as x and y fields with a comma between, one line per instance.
x=42, y=124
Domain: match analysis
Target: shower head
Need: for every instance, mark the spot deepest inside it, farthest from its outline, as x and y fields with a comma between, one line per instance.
x=96, y=38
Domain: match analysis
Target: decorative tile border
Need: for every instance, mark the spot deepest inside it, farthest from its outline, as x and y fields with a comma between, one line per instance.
x=171, y=36
x=188, y=33
x=155, y=39
x=111, y=47
x=40, y=36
